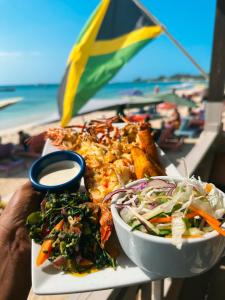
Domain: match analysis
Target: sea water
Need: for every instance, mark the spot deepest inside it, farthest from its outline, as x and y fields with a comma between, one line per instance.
x=39, y=102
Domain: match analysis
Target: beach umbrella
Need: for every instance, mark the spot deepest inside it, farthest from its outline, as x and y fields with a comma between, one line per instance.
x=111, y=104
x=166, y=106
x=175, y=99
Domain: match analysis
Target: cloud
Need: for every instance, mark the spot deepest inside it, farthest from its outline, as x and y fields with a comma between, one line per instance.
x=5, y=54
x=10, y=54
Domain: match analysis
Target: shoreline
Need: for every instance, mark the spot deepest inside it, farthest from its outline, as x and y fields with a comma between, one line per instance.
x=52, y=119
x=11, y=135
x=111, y=95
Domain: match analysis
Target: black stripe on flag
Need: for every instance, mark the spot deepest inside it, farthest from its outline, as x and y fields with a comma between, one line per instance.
x=125, y=17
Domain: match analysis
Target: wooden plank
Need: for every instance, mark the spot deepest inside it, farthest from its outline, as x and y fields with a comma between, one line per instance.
x=174, y=289
x=216, y=288
x=198, y=152
x=130, y=293
x=157, y=289
x=196, y=287
x=209, y=285
x=145, y=291
x=167, y=285
x=217, y=73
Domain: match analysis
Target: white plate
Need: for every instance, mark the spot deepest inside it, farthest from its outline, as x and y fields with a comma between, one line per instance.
x=46, y=280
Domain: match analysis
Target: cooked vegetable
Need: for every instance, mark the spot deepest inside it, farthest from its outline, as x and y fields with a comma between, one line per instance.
x=68, y=228
x=165, y=208
x=147, y=142
x=142, y=165
x=46, y=247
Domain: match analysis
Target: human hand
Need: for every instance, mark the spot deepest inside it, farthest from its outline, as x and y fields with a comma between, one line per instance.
x=15, y=244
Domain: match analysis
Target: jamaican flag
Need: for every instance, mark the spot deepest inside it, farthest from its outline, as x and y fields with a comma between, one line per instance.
x=117, y=30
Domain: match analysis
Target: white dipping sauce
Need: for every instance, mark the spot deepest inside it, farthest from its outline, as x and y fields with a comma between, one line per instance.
x=59, y=172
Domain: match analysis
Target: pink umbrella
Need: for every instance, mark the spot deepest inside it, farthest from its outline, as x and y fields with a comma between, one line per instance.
x=166, y=106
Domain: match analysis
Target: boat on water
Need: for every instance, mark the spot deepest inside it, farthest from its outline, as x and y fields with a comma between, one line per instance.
x=7, y=89
x=7, y=102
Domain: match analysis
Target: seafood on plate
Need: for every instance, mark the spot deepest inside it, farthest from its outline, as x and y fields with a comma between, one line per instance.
x=73, y=228
x=114, y=156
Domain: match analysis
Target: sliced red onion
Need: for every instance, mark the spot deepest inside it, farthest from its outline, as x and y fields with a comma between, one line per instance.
x=110, y=195
x=121, y=205
x=155, y=183
x=140, y=186
x=43, y=203
x=151, y=205
x=160, y=183
x=59, y=261
x=170, y=192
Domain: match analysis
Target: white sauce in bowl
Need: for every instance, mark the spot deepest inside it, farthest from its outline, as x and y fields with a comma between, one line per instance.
x=59, y=172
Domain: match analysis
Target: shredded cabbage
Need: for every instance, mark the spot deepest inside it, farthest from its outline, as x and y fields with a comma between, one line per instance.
x=163, y=208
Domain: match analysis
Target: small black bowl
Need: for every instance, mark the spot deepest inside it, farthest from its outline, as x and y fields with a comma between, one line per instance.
x=52, y=158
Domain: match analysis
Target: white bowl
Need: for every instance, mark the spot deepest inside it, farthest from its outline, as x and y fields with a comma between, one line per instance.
x=158, y=256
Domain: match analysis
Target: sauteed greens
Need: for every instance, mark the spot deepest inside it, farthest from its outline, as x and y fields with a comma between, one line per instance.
x=166, y=208
x=68, y=229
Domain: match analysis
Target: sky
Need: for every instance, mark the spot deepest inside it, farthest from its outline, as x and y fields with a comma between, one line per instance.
x=36, y=37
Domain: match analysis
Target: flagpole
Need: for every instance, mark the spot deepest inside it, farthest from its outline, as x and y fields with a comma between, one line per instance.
x=175, y=42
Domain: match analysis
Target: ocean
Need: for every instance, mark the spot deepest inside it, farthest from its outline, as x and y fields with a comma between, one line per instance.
x=39, y=104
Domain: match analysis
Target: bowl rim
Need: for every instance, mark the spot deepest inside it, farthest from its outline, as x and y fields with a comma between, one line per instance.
x=59, y=153
x=117, y=218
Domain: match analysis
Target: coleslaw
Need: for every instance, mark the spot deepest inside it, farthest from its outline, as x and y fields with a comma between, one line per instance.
x=186, y=208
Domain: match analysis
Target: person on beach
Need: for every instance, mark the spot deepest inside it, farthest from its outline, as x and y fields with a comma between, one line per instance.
x=156, y=89
x=120, y=110
x=23, y=137
x=166, y=139
x=34, y=144
x=175, y=120
x=15, y=245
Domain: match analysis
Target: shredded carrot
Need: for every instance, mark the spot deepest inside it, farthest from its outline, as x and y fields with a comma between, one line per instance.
x=169, y=219
x=214, y=223
x=46, y=247
x=206, y=216
x=219, y=229
x=161, y=220
x=191, y=215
